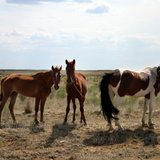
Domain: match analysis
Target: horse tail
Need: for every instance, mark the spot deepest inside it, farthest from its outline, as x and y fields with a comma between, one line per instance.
x=106, y=103
x=1, y=95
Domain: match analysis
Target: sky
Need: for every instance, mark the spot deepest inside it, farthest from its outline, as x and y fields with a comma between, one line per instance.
x=98, y=34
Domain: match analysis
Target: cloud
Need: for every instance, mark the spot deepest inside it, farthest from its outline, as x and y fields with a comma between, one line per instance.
x=99, y=10
x=30, y=2
x=82, y=1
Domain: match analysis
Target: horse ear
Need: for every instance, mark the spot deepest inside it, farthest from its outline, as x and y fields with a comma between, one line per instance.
x=158, y=68
x=60, y=68
x=74, y=61
x=52, y=68
x=66, y=61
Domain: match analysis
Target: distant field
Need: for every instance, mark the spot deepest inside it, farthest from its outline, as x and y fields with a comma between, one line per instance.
x=53, y=140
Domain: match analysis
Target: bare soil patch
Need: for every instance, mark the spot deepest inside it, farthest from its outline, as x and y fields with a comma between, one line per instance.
x=53, y=140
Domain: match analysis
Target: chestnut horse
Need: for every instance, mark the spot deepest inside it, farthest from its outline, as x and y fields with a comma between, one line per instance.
x=38, y=86
x=145, y=83
x=76, y=87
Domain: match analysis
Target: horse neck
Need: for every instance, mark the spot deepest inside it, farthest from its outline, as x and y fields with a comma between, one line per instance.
x=48, y=78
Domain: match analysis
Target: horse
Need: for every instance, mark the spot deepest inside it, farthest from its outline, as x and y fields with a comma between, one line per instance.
x=37, y=85
x=76, y=87
x=119, y=83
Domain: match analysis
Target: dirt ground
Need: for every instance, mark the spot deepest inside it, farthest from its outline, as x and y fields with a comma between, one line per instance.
x=53, y=140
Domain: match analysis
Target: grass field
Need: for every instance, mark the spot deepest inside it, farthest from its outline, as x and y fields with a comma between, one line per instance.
x=53, y=140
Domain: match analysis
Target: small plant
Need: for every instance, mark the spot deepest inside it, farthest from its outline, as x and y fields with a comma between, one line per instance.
x=1, y=143
x=93, y=100
x=61, y=92
x=28, y=108
x=129, y=110
x=22, y=98
x=6, y=110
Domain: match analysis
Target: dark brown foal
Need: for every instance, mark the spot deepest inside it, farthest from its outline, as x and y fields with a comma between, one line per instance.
x=76, y=87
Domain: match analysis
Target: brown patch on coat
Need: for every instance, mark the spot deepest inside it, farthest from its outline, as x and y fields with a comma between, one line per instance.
x=132, y=82
x=115, y=78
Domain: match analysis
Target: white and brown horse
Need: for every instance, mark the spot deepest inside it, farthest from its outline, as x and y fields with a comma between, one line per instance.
x=119, y=83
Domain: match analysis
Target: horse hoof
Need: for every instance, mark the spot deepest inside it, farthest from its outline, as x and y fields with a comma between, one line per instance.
x=120, y=128
x=144, y=125
x=85, y=124
x=151, y=126
x=36, y=122
x=64, y=123
x=73, y=122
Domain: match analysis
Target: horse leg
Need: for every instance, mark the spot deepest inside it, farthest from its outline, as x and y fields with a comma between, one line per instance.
x=67, y=109
x=74, y=110
x=118, y=103
x=144, y=112
x=42, y=108
x=3, y=102
x=11, y=105
x=36, y=110
x=150, y=124
x=81, y=101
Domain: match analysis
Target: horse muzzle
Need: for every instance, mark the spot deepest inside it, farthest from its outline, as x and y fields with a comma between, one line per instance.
x=69, y=81
x=56, y=87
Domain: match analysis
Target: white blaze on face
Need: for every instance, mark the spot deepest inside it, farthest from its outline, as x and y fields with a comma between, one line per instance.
x=56, y=75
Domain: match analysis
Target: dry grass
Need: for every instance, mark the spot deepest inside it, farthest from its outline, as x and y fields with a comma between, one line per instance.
x=53, y=140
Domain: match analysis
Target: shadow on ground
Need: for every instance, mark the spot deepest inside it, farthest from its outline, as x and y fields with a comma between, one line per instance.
x=59, y=130
x=100, y=138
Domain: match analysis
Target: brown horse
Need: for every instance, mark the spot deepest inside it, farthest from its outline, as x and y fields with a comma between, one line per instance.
x=38, y=86
x=76, y=87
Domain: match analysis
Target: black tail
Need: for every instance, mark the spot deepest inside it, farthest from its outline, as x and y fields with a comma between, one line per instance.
x=106, y=103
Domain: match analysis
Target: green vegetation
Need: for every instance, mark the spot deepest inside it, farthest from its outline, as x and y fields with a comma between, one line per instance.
x=129, y=104
x=1, y=143
x=22, y=98
x=61, y=92
x=6, y=111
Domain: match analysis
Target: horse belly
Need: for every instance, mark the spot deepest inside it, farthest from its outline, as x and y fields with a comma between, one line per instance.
x=142, y=93
x=27, y=89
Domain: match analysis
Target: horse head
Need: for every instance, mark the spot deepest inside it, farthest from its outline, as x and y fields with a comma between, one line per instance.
x=70, y=71
x=157, y=84
x=56, y=76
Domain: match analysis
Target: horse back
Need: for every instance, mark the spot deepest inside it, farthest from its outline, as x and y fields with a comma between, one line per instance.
x=81, y=79
x=132, y=82
x=23, y=84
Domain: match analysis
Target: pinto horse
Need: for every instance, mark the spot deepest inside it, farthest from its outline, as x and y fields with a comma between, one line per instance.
x=38, y=86
x=76, y=87
x=119, y=83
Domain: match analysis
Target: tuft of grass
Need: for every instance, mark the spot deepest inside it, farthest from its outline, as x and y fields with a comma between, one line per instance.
x=28, y=108
x=22, y=98
x=1, y=143
x=129, y=110
x=6, y=111
x=61, y=92
x=129, y=100
x=93, y=100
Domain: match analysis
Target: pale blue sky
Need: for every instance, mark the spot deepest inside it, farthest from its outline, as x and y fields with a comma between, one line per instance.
x=99, y=34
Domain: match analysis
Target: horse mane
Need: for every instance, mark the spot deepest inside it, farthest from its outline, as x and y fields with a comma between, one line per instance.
x=41, y=74
x=82, y=75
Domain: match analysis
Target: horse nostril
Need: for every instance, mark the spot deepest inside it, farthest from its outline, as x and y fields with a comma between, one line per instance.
x=56, y=87
x=69, y=81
